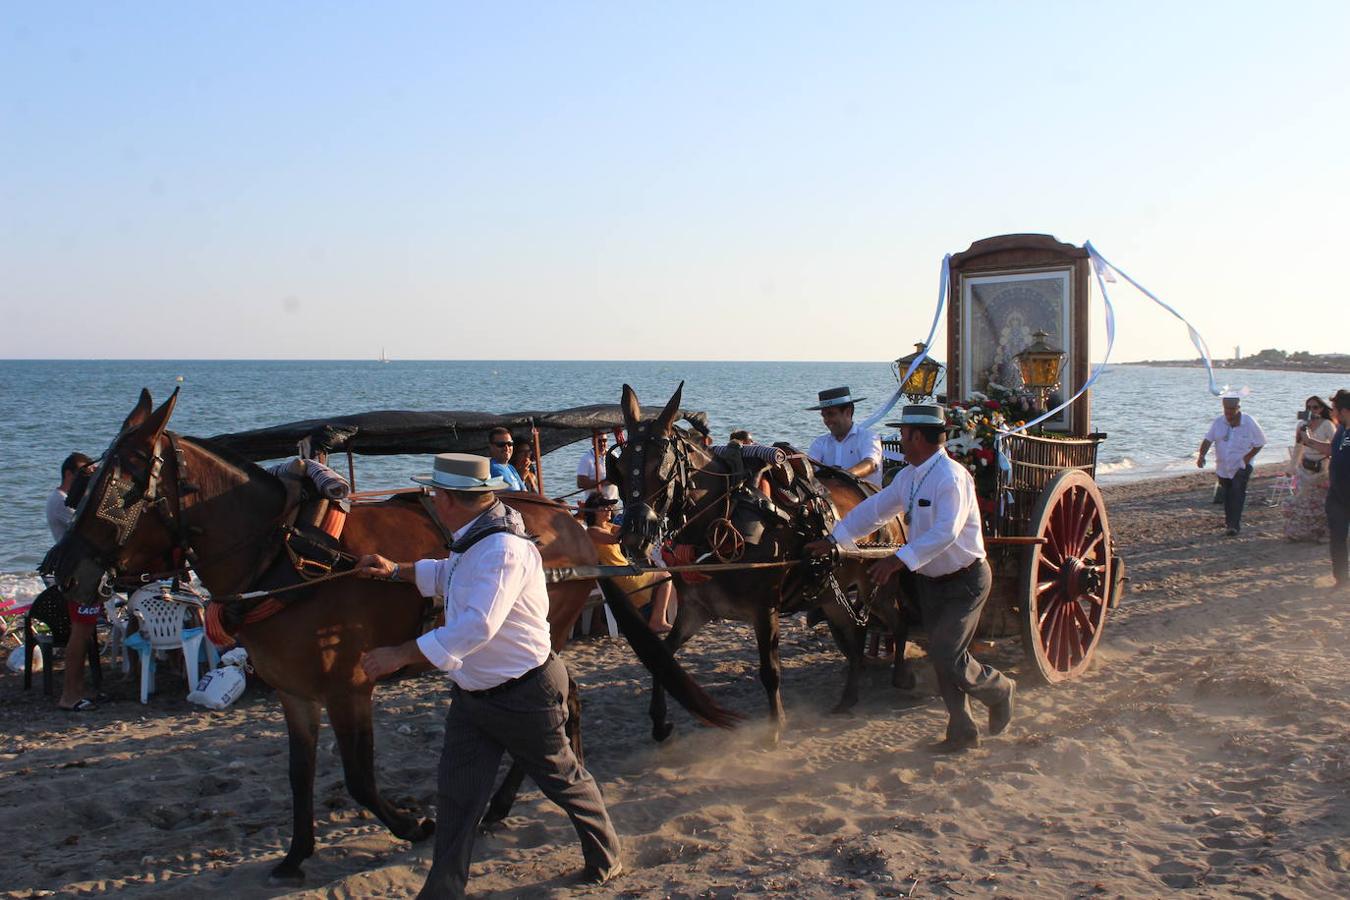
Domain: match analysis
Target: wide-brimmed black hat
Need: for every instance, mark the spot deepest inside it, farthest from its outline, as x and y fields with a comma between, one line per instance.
x=834, y=397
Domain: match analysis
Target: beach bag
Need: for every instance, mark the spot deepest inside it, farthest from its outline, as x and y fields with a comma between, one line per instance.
x=15, y=661
x=220, y=687
x=1313, y=464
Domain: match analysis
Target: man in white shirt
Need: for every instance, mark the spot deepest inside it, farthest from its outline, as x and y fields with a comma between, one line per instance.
x=591, y=466
x=59, y=516
x=951, y=579
x=509, y=690
x=1236, y=439
x=845, y=445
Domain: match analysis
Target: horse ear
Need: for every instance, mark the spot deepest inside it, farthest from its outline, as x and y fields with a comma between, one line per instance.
x=138, y=415
x=153, y=426
x=667, y=417
x=632, y=413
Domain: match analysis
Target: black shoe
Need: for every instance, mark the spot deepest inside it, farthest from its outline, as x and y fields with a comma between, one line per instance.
x=1232, y=532
x=595, y=877
x=957, y=744
x=1000, y=714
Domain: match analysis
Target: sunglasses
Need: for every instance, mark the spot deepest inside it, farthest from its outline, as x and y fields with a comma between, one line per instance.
x=504, y=444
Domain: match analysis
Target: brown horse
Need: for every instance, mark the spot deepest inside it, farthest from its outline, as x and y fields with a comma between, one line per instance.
x=159, y=498
x=673, y=487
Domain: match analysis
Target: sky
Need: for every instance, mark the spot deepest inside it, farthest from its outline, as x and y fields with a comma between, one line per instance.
x=641, y=181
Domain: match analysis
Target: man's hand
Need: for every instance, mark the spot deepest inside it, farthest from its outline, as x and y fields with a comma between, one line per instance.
x=382, y=661
x=372, y=565
x=1200, y=461
x=822, y=547
x=882, y=571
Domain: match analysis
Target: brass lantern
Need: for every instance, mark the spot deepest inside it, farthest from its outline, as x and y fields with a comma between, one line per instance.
x=1040, y=364
x=919, y=385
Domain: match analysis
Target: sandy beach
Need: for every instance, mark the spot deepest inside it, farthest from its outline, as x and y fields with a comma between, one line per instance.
x=1208, y=750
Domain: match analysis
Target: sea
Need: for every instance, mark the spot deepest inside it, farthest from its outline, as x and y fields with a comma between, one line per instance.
x=1154, y=416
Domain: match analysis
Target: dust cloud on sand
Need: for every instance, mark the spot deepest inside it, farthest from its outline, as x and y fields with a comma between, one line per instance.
x=1207, y=750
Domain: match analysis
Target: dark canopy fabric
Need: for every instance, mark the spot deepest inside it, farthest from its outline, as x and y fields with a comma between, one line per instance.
x=390, y=432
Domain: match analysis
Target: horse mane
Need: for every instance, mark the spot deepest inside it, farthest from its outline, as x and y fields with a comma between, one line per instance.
x=232, y=458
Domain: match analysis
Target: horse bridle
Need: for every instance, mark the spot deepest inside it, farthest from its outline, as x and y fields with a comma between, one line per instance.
x=124, y=499
x=648, y=514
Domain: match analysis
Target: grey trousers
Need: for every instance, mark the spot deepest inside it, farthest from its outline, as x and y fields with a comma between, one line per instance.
x=526, y=720
x=951, y=613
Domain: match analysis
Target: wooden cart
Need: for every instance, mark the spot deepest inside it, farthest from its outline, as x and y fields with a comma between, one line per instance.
x=1055, y=566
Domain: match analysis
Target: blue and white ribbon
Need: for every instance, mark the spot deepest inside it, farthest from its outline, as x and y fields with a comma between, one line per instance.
x=943, y=284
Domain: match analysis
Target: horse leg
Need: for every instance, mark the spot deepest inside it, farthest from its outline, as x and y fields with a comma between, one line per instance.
x=770, y=669
x=689, y=618
x=302, y=729
x=886, y=603
x=350, y=716
x=850, y=637
x=505, y=797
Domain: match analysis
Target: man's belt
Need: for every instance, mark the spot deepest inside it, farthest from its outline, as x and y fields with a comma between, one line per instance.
x=511, y=682
x=952, y=576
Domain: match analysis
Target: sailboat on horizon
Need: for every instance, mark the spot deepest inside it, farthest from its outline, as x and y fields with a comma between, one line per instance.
x=384, y=357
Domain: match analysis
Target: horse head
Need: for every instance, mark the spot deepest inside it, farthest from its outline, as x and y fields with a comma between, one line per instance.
x=652, y=473
x=110, y=535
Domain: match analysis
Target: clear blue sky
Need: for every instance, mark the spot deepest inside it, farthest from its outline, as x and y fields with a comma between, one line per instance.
x=674, y=181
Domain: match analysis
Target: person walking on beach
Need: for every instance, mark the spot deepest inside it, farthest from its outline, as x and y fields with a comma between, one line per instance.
x=1338, y=494
x=1236, y=438
x=508, y=689
x=946, y=553
x=845, y=445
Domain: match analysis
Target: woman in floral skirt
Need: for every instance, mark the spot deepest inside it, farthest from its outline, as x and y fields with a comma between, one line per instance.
x=1305, y=512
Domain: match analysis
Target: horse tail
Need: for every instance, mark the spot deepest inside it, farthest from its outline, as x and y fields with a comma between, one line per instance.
x=661, y=662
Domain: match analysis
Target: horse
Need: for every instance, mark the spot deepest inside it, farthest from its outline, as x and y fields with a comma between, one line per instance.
x=670, y=483
x=159, y=498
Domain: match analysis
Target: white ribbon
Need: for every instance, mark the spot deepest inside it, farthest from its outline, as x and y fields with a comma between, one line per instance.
x=943, y=283
x=1102, y=266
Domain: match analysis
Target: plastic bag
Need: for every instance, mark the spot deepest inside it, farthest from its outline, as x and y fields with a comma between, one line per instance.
x=15, y=661
x=220, y=687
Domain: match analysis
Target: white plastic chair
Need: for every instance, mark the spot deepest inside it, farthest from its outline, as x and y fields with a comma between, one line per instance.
x=161, y=613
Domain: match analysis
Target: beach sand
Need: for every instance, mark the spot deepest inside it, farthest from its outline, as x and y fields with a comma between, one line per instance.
x=1206, y=750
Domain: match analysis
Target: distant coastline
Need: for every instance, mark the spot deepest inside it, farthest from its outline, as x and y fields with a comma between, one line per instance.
x=1271, y=360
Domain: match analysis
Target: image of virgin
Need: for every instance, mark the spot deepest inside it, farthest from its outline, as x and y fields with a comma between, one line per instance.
x=1003, y=313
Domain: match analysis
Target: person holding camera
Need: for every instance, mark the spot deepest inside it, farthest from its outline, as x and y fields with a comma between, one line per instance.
x=1338, y=491
x=1305, y=517
x=1236, y=439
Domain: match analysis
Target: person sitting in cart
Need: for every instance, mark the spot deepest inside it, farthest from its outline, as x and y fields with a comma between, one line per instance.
x=845, y=445
x=591, y=466
x=650, y=587
x=500, y=447
x=936, y=495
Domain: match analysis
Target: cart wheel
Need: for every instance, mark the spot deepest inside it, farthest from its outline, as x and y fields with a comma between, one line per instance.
x=1066, y=580
x=1119, y=580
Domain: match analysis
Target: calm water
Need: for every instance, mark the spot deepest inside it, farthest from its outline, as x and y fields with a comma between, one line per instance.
x=1155, y=416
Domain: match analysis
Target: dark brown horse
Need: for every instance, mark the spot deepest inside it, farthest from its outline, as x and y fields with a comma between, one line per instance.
x=672, y=487
x=158, y=498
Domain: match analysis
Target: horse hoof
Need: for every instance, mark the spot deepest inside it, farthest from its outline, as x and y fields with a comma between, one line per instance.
x=286, y=875
x=905, y=681
x=662, y=731
x=425, y=829
x=843, y=709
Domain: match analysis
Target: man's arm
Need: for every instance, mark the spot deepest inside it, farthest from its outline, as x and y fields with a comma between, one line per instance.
x=1204, y=449
x=872, y=463
x=492, y=579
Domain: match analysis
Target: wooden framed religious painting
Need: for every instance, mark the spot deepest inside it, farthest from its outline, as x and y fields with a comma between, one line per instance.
x=1004, y=290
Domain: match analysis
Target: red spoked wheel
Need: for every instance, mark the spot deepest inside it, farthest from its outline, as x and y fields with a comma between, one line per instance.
x=1066, y=579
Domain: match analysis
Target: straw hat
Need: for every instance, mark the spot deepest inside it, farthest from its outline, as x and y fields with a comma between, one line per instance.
x=834, y=397
x=921, y=414
x=462, y=472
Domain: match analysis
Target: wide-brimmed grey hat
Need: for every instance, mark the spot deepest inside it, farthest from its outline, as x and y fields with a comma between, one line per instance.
x=834, y=397
x=462, y=472
x=921, y=414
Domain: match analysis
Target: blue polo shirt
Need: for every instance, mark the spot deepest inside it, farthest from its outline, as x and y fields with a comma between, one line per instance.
x=508, y=472
x=1340, y=466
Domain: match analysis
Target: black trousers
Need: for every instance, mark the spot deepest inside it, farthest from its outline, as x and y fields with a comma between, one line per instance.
x=1338, y=523
x=1235, y=497
x=526, y=720
x=951, y=613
